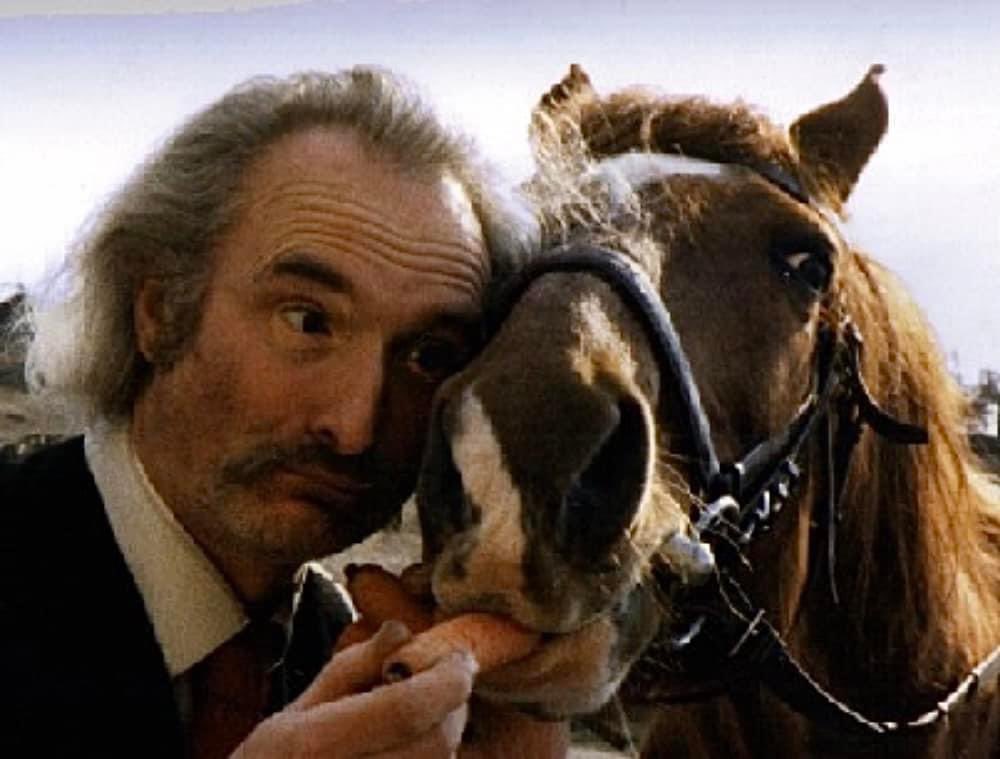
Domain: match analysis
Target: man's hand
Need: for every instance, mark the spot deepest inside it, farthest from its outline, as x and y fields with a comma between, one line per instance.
x=494, y=731
x=348, y=712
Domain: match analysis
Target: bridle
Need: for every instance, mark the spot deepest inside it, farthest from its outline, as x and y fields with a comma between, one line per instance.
x=744, y=497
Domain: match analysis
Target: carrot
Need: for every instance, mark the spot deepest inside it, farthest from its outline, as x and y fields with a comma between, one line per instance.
x=379, y=596
x=492, y=640
x=358, y=631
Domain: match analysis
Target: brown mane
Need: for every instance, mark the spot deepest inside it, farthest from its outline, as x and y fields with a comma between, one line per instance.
x=922, y=532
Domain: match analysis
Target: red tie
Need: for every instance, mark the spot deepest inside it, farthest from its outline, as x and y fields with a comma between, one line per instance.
x=229, y=691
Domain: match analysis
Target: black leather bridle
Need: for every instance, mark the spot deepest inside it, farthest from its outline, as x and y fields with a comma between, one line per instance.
x=744, y=497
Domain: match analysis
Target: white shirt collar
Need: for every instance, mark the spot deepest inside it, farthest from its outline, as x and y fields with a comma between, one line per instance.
x=192, y=607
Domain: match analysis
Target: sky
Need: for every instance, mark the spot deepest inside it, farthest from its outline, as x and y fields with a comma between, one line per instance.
x=88, y=88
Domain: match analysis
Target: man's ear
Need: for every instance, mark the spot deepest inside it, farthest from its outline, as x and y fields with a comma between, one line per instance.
x=148, y=317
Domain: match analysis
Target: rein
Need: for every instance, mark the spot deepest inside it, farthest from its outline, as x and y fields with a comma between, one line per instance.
x=745, y=496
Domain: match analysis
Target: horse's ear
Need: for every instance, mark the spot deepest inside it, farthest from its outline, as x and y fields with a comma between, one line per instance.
x=569, y=95
x=556, y=120
x=835, y=141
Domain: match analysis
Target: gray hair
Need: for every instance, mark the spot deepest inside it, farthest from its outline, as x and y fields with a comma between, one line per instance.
x=165, y=220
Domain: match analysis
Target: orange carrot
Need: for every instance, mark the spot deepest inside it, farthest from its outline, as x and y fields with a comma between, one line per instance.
x=492, y=640
x=379, y=596
x=357, y=632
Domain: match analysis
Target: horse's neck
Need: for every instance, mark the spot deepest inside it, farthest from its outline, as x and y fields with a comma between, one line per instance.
x=909, y=622
x=869, y=668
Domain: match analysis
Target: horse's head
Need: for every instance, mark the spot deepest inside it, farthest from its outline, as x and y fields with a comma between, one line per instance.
x=566, y=461
x=540, y=495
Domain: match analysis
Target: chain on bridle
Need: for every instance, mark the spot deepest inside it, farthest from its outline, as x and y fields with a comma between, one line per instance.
x=743, y=497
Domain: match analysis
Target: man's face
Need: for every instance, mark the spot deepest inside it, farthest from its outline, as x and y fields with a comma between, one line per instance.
x=344, y=293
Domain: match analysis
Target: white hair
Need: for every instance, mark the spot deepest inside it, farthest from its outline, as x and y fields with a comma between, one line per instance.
x=164, y=222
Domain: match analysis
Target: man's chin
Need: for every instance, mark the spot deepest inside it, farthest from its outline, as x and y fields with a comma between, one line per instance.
x=331, y=523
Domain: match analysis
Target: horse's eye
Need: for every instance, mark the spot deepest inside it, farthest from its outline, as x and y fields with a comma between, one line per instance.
x=812, y=269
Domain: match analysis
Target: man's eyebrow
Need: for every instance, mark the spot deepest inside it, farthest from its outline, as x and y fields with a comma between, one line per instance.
x=304, y=266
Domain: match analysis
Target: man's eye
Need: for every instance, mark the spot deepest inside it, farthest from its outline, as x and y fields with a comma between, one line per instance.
x=306, y=320
x=435, y=359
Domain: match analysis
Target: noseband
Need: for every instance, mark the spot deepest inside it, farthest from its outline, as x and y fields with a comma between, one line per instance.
x=743, y=497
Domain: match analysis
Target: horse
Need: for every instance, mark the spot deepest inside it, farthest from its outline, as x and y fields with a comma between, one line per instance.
x=712, y=452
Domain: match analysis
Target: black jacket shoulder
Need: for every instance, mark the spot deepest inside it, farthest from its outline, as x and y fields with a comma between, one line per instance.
x=82, y=671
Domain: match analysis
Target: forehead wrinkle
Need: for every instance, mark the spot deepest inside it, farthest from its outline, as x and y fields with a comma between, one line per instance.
x=402, y=247
x=313, y=197
x=408, y=265
x=356, y=218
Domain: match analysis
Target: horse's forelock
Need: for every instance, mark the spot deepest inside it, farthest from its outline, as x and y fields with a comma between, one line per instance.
x=732, y=133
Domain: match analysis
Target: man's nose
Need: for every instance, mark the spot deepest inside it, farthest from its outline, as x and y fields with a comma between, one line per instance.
x=351, y=402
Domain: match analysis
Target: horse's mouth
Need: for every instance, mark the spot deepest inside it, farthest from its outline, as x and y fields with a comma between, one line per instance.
x=569, y=673
x=575, y=671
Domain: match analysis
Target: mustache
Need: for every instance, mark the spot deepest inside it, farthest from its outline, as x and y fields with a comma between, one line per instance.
x=264, y=460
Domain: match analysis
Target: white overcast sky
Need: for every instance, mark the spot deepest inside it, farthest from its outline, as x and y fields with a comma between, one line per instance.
x=88, y=88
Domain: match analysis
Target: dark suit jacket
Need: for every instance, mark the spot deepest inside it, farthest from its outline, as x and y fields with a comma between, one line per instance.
x=81, y=673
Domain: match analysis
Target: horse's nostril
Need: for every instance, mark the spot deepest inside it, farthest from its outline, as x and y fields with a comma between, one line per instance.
x=601, y=502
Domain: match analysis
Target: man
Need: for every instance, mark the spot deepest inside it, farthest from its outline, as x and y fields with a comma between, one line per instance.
x=261, y=318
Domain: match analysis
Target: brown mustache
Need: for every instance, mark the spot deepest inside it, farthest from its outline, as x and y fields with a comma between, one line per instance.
x=363, y=469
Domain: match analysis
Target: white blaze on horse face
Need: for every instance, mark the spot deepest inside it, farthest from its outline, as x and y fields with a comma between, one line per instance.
x=496, y=558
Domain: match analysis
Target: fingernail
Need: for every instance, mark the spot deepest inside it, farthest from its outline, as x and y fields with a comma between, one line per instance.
x=396, y=672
